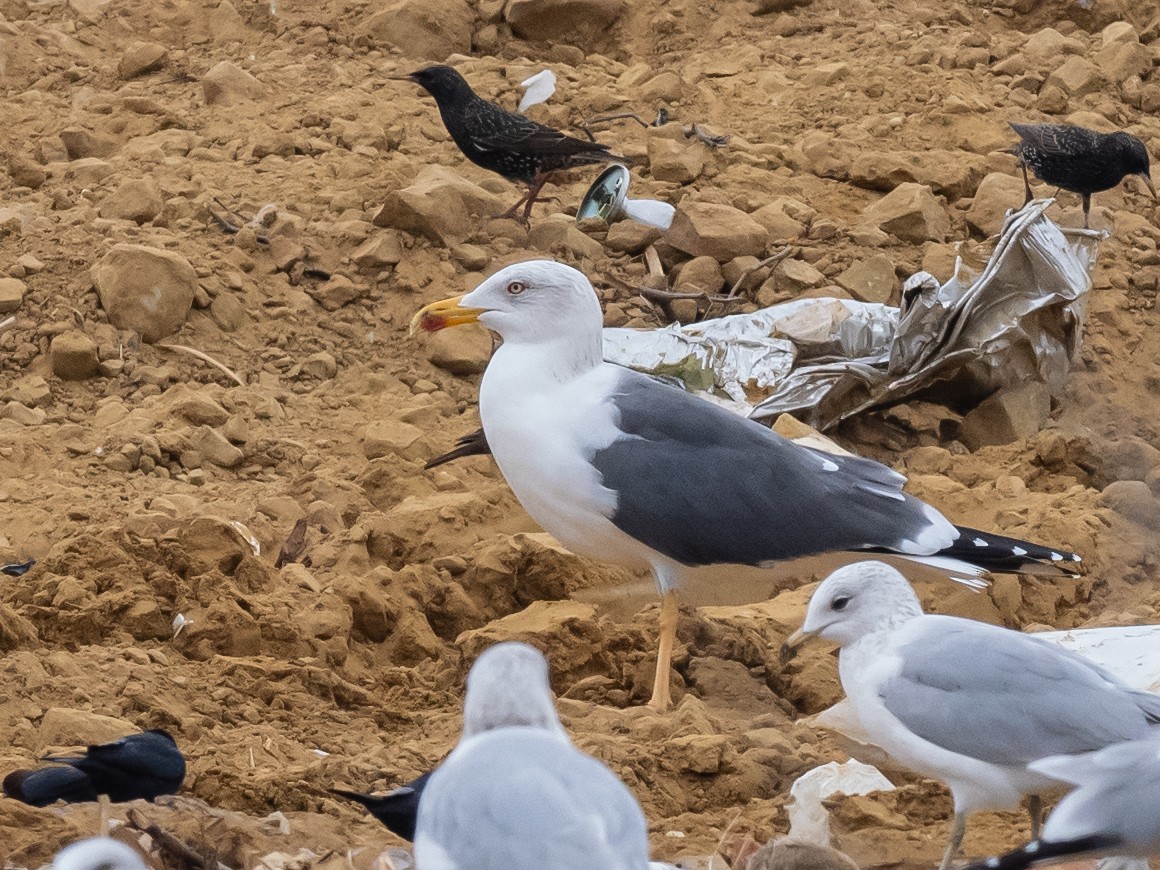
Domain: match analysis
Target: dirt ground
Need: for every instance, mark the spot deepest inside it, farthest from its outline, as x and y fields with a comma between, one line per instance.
x=347, y=669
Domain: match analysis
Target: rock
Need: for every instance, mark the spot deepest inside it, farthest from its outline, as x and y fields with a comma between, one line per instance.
x=1118, y=33
x=461, y=351
x=679, y=162
x=84, y=143
x=227, y=312
x=796, y=276
x=704, y=229
x=25, y=171
x=697, y=753
x=1008, y=415
x=554, y=625
x=440, y=205
x=911, y=213
x=61, y=727
x=137, y=199
x=630, y=237
x=952, y=173
x=214, y=447
x=214, y=541
x=22, y=414
x=385, y=437
x=765, y=7
x=321, y=365
x=700, y=275
x=1076, y=77
x=1134, y=500
x=336, y=292
x=870, y=280
x=15, y=630
x=422, y=29
x=997, y=194
x=1049, y=43
x=226, y=24
x=558, y=233
x=786, y=854
x=226, y=84
x=571, y=21
x=89, y=171
x=11, y=294
x=826, y=74
x=145, y=289
x=140, y=58
x=778, y=224
x=32, y=391
x=194, y=406
x=74, y=356
x=381, y=249
x=1120, y=61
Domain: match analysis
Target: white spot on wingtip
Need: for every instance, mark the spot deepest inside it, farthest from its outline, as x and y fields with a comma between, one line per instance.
x=827, y=465
x=992, y=862
x=1076, y=557
x=1055, y=557
x=1018, y=551
x=1032, y=847
x=979, y=542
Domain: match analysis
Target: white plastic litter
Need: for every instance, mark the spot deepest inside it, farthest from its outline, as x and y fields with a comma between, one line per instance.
x=537, y=89
x=809, y=821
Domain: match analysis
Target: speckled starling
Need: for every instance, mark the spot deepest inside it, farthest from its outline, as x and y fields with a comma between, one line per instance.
x=1080, y=160
x=516, y=147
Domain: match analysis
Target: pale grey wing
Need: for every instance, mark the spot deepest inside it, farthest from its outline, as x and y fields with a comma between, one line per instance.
x=1118, y=797
x=704, y=486
x=522, y=799
x=1009, y=699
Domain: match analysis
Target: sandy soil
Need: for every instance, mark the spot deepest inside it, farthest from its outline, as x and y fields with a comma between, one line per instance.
x=348, y=669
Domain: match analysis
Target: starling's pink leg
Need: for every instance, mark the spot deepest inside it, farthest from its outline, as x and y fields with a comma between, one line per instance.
x=1087, y=204
x=1026, y=183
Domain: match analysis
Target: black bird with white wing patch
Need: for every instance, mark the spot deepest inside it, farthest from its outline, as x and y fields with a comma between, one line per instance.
x=1080, y=160
x=509, y=144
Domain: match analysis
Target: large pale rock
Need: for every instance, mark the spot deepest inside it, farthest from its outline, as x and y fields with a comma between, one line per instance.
x=572, y=21
x=227, y=84
x=74, y=356
x=997, y=193
x=870, y=280
x=1008, y=415
x=705, y=229
x=212, y=446
x=425, y=29
x=137, y=199
x=670, y=160
x=440, y=205
x=464, y=350
x=63, y=727
x=145, y=289
x=1076, y=77
x=140, y=58
x=385, y=437
x=88, y=171
x=11, y=294
x=1122, y=60
x=558, y=233
x=1050, y=43
x=911, y=213
x=951, y=173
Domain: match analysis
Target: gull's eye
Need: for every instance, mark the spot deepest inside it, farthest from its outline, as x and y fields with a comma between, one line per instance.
x=840, y=602
x=515, y=288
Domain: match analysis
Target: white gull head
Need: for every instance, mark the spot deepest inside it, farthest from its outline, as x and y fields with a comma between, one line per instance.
x=507, y=686
x=860, y=599
x=98, y=853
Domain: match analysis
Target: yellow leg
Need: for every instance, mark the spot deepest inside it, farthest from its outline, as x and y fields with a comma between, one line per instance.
x=668, y=633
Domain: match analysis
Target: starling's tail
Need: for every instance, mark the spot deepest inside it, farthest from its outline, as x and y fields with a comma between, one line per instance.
x=1039, y=851
x=1005, y=555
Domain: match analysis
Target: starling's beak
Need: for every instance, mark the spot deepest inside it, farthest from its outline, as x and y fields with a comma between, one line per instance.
x=409, y=77
x=1148, y=181
x=443, y=314
x=790, y=647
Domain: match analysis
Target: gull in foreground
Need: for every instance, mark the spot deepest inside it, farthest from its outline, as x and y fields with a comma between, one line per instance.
x=515, y=794
x=619, y=466
x=964, y=702
x=1115, y=808
x=98, y=853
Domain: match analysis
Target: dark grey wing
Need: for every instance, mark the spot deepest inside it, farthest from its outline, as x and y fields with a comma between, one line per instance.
x=704, y=486
x=1056, y=140
x=523, y=799
x=537, y=139
x=1006, y=698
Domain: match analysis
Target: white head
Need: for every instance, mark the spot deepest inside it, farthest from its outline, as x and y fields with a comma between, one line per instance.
x=855, y=601
x=508, y=685
x=98, y=853
x=526, y=303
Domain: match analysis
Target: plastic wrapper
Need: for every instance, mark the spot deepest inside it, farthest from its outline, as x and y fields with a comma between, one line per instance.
x=1017, y=320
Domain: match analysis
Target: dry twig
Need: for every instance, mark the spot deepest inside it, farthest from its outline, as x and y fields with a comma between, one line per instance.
x=761, y=264
x=7, y=323
x=169, y=844
x=205, y=357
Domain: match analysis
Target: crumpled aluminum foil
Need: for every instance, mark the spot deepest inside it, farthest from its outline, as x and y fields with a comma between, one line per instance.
x=1019, y=319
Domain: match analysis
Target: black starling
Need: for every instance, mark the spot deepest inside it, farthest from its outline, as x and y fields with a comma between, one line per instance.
x=47, y=785
x=1080, y=160
x=143, y=765
x=516, y=147
x=396, y=809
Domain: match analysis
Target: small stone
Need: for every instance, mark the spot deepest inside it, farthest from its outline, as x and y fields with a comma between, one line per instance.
x=869, y=280
x=79, y=143
x=214, y=447
x=778, y=223
x=912, y=213
x=1118, y=33
x=22, y=414
x=11, y=294
x=826, y=74
x=630, y=237
x=336, y=292
x=30, y=390
x=89, y=171
x=61, y=728
x=558, y=234
x=148, y=290
x=26, y=172
x=700, y=275
x=1008, y=415
x=381, y=249
x=29, y=264
x=226, y=84
x=140, y=58
x=1050, y=43
x=571, y=21
x=679, y=162
x=74, y=356
x=422, y=29
x=195, y=407
x=440, y=205
x=464, y=350
x=1076, y=77
x=137, y=199
x=227, y=312
x=386, y=437
x=321, y=365
x=996, y=195
x=703, y=229
x=797, y=276
x=1134, y=500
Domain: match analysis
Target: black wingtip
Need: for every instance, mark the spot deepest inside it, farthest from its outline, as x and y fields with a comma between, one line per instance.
x=1039, y=851
x=472, y=444
x=1004, y=555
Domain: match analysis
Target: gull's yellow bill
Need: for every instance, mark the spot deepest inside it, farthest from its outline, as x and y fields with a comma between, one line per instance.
x=443, y=314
